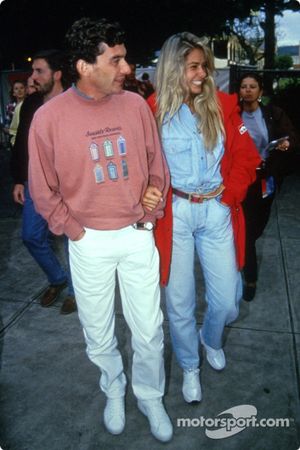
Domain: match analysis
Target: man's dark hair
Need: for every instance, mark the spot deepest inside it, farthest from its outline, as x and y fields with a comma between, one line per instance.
x=56, y=60
x=85, y=38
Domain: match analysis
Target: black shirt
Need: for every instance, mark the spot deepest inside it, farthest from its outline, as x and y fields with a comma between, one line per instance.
x=19, y=158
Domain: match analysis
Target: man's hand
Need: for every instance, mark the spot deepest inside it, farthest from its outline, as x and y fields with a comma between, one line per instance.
x=151, y=198
x=18, y=194
x=80, y=236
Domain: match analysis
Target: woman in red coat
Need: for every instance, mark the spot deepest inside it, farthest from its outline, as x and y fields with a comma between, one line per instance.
x=212, y=161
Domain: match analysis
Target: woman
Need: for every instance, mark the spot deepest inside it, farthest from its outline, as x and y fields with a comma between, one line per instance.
x=31, y=88
x=204, y=141
x=19, y=94
x=265, y=124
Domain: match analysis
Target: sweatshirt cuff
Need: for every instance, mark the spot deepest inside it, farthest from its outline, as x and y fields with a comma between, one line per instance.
x=72, y=228
x=149, y=218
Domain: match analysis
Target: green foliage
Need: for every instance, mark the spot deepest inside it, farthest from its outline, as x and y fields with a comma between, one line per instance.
x=283, y=62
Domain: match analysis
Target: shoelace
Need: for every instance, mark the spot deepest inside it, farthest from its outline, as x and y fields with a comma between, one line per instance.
x=156, y=412
x=191, y=377
x=116, y=407
x=214, y=353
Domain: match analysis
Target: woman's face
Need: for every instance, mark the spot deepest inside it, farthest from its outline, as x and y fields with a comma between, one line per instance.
x=195, y=71
x=250, y=90
x=19, y=91
x=30, y=88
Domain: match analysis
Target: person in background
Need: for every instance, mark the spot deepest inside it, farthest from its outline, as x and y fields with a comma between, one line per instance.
x=264, y=123
x=131, y=83
x=212, y=161
x=19, y=94
x=27, y=89
x=93, y=152
x=47, y=74
x=148, y=88
x=30, y=87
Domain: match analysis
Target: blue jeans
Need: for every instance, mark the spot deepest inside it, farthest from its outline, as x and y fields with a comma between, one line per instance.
x=207, y=227
x=37, y=238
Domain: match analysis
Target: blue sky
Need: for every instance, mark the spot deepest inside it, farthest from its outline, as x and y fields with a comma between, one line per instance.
x=288, y=29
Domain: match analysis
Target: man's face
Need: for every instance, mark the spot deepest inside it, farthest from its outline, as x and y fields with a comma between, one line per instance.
x=106, y=76
x=42, y=76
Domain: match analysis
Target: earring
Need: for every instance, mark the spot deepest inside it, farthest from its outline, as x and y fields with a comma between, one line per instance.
x=259, y=99
x=241, y=99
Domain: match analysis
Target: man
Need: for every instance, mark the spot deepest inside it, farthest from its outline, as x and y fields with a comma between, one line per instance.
x=93, y=152
x=47, y=76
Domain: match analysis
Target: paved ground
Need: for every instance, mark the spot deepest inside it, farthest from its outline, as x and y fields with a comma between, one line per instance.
x=50, y=399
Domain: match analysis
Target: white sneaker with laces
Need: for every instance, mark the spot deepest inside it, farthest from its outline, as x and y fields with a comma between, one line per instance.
x=216, y=358
x=160, y=424
x=191, y=388
x=114, y=415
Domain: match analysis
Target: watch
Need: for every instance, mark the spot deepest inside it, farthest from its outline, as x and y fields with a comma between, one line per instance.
x=143, y=226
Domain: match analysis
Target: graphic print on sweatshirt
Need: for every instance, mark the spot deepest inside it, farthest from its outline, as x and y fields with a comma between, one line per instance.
x=109, y=156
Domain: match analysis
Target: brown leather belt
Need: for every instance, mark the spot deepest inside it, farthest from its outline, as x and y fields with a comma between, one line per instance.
x=199, y=198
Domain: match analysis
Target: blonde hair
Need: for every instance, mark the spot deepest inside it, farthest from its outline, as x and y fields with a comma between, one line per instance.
x=172, y=90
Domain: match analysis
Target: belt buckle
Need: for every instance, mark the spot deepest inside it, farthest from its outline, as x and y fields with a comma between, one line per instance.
x=195, y=199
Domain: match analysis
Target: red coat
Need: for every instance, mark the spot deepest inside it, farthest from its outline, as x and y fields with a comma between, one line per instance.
x=238, y=169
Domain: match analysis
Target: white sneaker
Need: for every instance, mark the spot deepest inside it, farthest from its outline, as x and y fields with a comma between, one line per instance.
x=114, y=415
x=216, y=358
x=160, y=424
x=191, y=388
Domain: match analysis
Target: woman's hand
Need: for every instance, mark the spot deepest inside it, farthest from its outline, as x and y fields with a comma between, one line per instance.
x=151, y=198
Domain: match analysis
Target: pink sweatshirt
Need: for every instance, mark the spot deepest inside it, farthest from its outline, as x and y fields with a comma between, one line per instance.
x=90, y=162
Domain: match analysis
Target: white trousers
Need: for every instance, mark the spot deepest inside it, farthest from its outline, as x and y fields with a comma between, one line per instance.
x=95, y=260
